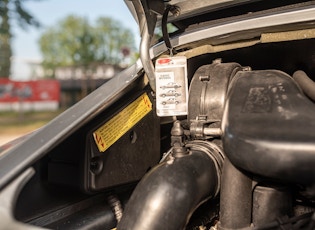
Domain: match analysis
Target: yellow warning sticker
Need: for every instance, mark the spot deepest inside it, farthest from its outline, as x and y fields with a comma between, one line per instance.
x=117, y=126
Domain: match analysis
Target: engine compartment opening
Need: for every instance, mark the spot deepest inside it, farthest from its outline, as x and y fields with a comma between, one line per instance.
x=74, y=179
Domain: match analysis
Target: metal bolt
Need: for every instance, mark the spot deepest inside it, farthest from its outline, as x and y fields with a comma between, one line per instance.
x=175, y=10
x=217, y=61
x=246, y=68
x=204, y=78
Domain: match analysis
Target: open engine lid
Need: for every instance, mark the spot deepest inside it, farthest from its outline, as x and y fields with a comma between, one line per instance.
x=188, y=9
x=193, y=12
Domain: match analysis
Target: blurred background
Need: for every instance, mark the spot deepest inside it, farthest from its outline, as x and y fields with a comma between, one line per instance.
x=53, y=53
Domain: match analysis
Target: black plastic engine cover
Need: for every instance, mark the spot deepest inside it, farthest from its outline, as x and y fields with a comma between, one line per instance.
x=132, y=155
x=114, y=149
x=269, y=127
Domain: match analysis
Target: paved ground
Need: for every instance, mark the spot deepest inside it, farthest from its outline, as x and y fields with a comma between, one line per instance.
x=6, y=138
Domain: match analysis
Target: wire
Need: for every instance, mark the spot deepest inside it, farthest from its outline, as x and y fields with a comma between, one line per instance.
x=165, y=34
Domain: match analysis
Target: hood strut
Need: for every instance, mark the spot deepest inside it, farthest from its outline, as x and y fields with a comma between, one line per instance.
x=146, y=31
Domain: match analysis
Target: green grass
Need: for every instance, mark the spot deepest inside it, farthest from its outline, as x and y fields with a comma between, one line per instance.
x=20, y=123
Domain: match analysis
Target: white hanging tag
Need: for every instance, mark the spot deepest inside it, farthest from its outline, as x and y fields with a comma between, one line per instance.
x=171, y=86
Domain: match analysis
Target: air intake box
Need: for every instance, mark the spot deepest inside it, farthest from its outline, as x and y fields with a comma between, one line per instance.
x=269, y=127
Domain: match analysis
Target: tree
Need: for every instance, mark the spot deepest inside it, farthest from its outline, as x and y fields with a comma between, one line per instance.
x=9, y=10
x=115, y=41
x=68, y=43
x=74, y=41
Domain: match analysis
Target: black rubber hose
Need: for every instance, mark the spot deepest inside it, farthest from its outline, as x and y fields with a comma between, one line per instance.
x=167, y=196
x=306, y=84
x=166, y=37
x=235, y=198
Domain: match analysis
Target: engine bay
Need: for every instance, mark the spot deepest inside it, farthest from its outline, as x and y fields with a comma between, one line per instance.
x=241, y=159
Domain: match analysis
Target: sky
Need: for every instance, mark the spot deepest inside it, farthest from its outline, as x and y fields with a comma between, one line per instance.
x=48, y=12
